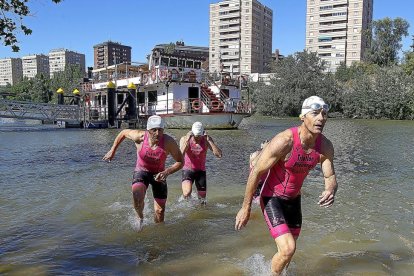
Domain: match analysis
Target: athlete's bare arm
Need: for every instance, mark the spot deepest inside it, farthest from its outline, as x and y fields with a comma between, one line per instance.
x=326, y=199
x=173, y=149
x=277, y=149
x=213, y=147
x=185, y=141
x=133, y=134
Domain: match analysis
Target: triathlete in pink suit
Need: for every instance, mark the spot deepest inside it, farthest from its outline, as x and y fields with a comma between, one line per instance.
x=153, y=147
x=289, y=157
x=194, y=147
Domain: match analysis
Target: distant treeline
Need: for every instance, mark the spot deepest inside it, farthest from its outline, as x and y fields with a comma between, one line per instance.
x=360, y=91
x=380, y=87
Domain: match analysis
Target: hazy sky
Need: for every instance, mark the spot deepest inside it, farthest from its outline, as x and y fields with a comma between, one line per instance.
x=78, y=25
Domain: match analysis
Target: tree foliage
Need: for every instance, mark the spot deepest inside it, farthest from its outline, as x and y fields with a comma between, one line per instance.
x=12, y=15
x=43, y=90
x=296, y=77
x=33, y=90
x=68, y=80
x=386, y=36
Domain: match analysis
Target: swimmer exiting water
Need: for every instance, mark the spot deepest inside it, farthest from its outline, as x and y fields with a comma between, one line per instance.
x=153, y=147
x=194, y=147
x=290, y=156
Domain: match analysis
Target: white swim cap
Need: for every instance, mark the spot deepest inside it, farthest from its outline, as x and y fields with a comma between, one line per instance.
x=197, y=129
x=155, y=121
x=313, y=103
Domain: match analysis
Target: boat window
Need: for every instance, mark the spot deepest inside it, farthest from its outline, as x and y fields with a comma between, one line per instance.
x=103, y=99
x=173, y=62
x=197, y=64
x=181, y=63
x=141, y=97
x=156, y=61
x=189, y=64
x=152, y=96
x=164, y=61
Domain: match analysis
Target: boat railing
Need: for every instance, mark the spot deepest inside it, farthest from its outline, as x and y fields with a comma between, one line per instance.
x=193, y=106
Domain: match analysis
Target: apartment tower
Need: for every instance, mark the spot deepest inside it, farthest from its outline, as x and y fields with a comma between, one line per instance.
x=59, y=59
x=110, y=53
x=10, y=71
x=35, y=64
x=335, y=29
x=240, y=37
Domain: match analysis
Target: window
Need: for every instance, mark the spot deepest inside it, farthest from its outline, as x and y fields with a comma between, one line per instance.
x=356, y=5
x=181, y=63
x=164, y=61
x=189, y=64
x=310, y=40
x=356, y=13
x=355, y=30
x=173, y=62
x=152, y=96
x=311, y=18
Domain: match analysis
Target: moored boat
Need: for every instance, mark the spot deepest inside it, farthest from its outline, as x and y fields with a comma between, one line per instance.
x=175, y=86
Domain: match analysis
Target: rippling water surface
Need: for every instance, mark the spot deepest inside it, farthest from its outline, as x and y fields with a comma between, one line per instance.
x=64, y=211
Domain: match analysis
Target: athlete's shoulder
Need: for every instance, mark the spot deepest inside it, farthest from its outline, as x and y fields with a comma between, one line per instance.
x=282, y=143
x=327, y=147
x=136, y=135
x=285, y=137
x=169, y=139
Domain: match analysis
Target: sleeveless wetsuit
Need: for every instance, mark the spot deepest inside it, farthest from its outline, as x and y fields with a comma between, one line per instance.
x=149, y=163
x=194, y=169
x=280, y=197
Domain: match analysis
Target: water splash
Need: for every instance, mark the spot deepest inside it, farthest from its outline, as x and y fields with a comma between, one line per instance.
x=257, y=265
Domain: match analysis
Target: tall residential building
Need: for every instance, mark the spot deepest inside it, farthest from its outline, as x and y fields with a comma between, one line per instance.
x=10, y=71
x=110, y=53
x=335, y=30
x=240, y=37
x=35, y=64
x=60, y=58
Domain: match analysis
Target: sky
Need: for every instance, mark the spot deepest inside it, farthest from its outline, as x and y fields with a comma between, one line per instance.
x=78, y=25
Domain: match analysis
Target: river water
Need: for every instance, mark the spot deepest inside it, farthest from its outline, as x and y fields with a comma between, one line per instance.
x=64, y=211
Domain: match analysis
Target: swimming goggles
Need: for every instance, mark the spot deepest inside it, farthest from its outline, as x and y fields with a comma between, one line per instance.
x=317, y=106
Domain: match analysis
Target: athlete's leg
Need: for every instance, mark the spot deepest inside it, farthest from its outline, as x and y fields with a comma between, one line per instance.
x=187, y=188
x=201, y=184
x=286, y=246
x=138, y=194
x=159, y=209
x=160, y=192
x=187, y=183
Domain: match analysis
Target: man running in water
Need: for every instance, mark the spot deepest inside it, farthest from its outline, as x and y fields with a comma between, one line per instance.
x=194, y=147
x=290, y=156
x=153, y=147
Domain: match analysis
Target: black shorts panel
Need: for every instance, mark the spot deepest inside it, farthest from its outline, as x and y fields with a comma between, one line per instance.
x=198, y=177
x=283, y=211
x=159, y=189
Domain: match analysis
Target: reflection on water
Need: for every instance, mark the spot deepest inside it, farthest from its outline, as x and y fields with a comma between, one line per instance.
x=65, y=211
